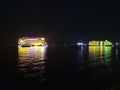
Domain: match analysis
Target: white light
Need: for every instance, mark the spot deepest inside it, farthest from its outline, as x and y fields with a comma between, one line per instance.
x=90, y=44
x=101, y=43
x=106, y=40
x=21, y=40
x=42, y=38
x=117, y=43
x=79, y=43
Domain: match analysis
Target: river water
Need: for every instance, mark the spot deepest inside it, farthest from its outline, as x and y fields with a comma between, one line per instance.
x=89, y=67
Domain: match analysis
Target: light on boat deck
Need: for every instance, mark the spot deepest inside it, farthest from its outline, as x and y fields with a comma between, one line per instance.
x=79, y=44
x=32, y=38
x=42, y=38
x=100, y=43
x=32, y=41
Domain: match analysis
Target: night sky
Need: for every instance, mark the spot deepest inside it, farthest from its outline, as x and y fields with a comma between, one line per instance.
x=60, y=21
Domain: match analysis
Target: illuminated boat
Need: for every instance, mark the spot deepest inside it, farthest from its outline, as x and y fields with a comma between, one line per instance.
x=31, y=41
x=100, y=43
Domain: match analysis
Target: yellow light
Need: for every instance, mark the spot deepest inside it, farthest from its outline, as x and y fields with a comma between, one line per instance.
x=37, y=41
x=31, y=53
x=21, y=40
x=31, y=59
x=94, y=43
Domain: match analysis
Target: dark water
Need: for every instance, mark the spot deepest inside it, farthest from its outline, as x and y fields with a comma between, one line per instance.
x=40, y=68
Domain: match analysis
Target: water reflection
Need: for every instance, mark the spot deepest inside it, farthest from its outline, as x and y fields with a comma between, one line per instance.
x=80, y=54
x=117, y=55
x=108, y=55
x=116, y=52
x=99, y=55
x=31, y=61
x=81, y=58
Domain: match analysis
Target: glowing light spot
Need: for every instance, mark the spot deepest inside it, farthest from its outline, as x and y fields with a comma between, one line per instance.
x=34, y=41
x=79, y=44
x=42, y=38
x=32, y=38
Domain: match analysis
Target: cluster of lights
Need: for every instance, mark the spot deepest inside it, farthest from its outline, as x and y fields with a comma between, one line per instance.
x=32, y=41
x=100, y=43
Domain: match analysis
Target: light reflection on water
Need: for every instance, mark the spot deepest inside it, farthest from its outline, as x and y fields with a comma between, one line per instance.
x=82, y=58
x=117, y=55
x=31, y=61
x=93, y=63
x=100, y=61
x=100, y=54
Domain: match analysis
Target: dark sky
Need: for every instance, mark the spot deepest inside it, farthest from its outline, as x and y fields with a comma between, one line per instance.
x=64, y=20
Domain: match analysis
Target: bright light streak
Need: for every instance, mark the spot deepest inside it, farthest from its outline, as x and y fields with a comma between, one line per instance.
x=32, y=38
x=79, y=44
